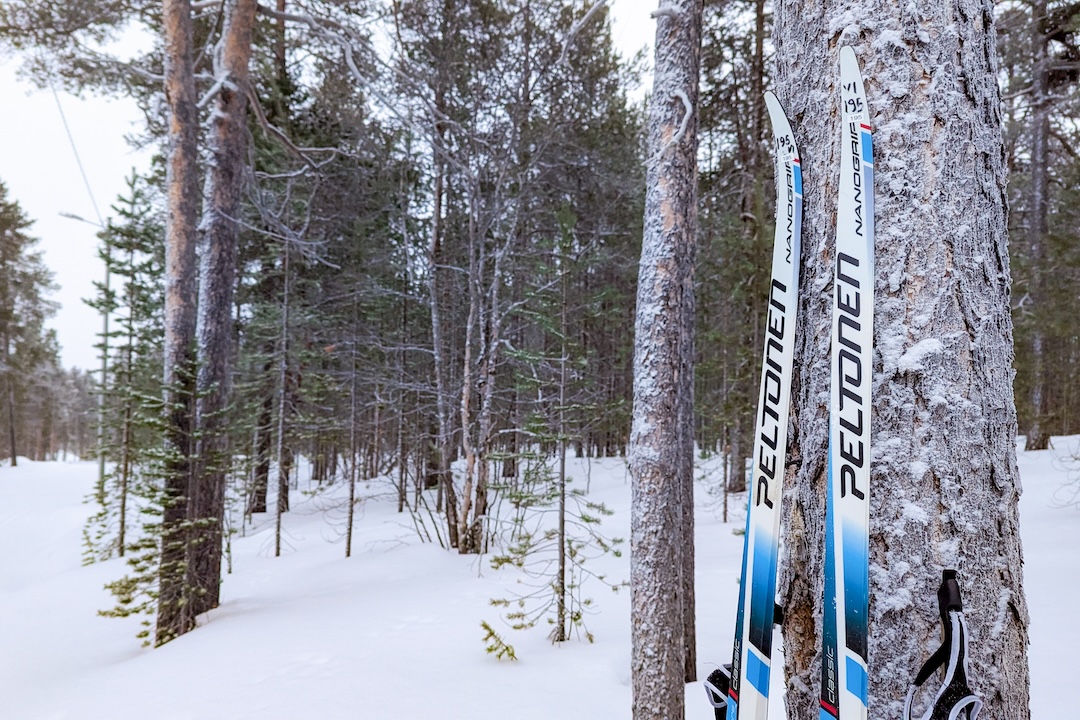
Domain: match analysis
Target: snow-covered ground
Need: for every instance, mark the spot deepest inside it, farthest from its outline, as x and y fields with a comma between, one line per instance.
x=394, y=631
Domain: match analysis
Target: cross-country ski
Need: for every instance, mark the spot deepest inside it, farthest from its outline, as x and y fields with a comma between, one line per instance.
x=844, y=650
x=747, y=694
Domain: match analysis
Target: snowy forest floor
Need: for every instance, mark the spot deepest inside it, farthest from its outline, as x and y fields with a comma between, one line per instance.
x=394, y=631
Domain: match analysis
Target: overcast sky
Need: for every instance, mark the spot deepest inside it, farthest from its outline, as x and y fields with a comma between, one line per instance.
x=38, y=167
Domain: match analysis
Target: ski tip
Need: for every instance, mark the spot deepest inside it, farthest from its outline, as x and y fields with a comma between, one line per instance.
x=772, y=104
x=847, y=55
x=777, y=115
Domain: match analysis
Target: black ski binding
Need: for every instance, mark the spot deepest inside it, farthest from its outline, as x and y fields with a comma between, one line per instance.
x=716, y=688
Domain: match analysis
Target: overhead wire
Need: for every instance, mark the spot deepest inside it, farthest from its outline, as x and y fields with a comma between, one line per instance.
x=78, y=159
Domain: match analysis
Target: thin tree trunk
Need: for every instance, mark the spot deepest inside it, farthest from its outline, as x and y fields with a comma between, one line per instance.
x=282, y=504
x=182, y=193
x=10, y=381
x=1037, y=436
x=402, y=455
x=352, y=437
x=944, y=484
x=127, y=439
x=104, y=373
x=560, y=580
x=264, y=434
x=442, y=411
x=657, y=439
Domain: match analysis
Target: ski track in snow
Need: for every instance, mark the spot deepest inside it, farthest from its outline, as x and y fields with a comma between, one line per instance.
x=394, y=631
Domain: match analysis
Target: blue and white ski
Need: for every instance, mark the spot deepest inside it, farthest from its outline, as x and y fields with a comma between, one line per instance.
x=745, y=691
x=847, y=577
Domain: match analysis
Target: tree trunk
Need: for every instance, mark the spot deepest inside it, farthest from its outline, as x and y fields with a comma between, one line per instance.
x=224, y=182
x=284, y=453
x=105, y=238
x=264, y=430
x=353, y=450
x=264, y=434
x=442, y=409
x=657, y=439
x=944, y=485
x=9, y=376
x=1037, y=206
x=686, y=459
x=182, y=194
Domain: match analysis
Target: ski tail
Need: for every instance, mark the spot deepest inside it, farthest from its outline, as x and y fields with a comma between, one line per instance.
x=741, y=690
x=954, y=699
x=844, y=669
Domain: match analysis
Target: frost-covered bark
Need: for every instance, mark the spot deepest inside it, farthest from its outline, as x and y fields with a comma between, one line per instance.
x=658, y=444
x=182, y=197
x=217, y=271
x=944, y=484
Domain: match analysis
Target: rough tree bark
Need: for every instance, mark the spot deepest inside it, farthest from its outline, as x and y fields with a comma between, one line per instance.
x=182, y=195
x=224, y=183
x=658, y=446
x=945, y=484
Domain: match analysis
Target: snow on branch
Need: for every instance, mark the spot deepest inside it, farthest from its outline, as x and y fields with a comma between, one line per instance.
x=576, y=28
x=213, y=91
x=686, y=118
x=670, y=12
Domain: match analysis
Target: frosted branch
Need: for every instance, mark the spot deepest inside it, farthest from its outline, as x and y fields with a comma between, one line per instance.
x=211, y=93
x=576, y=28
x=665, y=12
x=204, y=4
x=686, y=118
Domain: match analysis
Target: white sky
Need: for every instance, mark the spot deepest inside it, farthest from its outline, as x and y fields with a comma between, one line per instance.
x=39, y=168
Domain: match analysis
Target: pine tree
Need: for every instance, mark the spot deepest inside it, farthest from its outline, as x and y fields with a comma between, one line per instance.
x=133, y=250
x=27, y=346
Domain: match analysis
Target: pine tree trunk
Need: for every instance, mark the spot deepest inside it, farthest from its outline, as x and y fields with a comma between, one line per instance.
x=658, y=438
x=944, y=486
x=9, y=377
x=264, y=435
x=283, y=453
x=686, y=466
x=264, y=430
x=182, y=195
x=1036, y=222
x=224, y=182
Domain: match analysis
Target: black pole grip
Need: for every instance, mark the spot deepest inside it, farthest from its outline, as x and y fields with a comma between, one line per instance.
x=949, y=595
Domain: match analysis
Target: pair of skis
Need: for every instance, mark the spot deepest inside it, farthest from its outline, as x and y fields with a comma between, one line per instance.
x=741, y=690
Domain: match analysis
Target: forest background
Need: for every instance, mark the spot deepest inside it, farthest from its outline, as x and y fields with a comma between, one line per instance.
x=436, y=230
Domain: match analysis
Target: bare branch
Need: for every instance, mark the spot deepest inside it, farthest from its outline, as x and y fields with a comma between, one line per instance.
x=281, y=137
